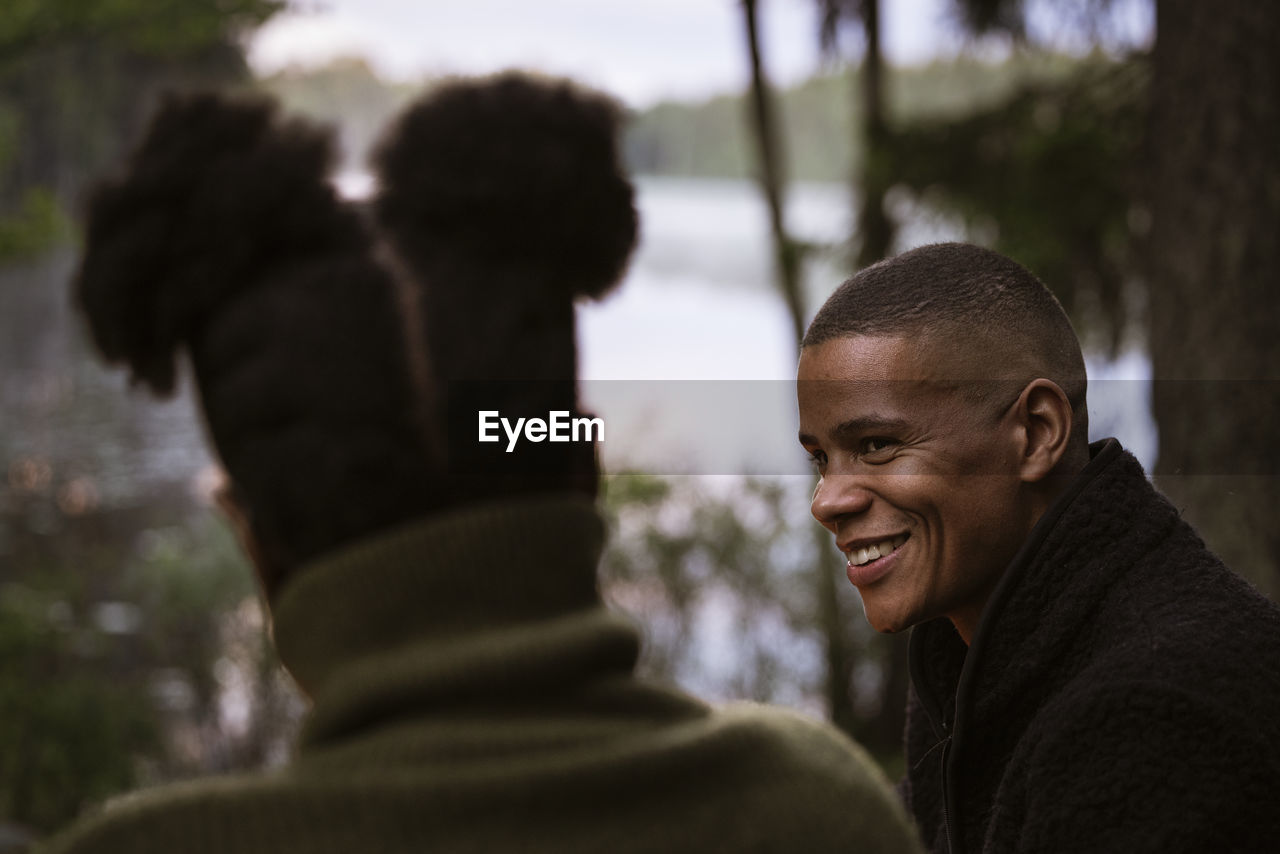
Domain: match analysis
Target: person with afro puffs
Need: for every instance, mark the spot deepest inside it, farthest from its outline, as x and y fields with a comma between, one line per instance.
x=435, y=598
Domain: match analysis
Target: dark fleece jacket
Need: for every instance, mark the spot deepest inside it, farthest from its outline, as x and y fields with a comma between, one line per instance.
x=1121, y=693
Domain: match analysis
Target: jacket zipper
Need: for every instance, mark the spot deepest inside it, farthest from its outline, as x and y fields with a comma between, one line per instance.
x=946, y=789
x=946, y=813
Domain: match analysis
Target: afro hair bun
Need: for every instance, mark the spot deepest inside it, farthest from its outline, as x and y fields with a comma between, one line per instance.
x=217, y=191
x=511, y=171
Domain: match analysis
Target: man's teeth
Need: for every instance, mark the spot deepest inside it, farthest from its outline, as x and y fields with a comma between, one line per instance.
x=858, y=557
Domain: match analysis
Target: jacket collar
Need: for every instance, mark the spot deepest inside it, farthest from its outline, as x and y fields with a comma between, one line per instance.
x=1061, y=572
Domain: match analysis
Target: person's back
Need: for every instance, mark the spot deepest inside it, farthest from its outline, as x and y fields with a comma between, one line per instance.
x=435, y=597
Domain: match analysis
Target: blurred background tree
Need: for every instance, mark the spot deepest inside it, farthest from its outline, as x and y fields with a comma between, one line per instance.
x=124, y=628
x=75, y=84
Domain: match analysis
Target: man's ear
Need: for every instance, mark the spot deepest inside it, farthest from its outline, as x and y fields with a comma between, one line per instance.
x=1045, y=416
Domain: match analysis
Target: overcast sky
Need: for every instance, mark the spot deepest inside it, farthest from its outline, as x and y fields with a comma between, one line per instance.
x=640, y=50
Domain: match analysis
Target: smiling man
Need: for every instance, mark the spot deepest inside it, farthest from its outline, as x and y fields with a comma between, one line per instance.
x=1086, y=676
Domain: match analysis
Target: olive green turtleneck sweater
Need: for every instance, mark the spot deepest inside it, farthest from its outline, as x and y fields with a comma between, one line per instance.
x=471, y=694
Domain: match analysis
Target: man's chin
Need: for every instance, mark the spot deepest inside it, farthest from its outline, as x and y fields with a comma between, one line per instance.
x=885, y=624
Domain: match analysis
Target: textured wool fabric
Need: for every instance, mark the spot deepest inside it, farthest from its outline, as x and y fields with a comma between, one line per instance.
x=471, y=694
x=1121, y=692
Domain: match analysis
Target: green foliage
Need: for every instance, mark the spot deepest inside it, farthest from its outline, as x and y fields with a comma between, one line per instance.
x=69, y=729
x=77, y=80
x=714, y=574
x=185, y=572
x=10, y=126
x=1047, y=176
x=630, y=490
x=114, y=654
x=821, y=141
x=38, y=225
x=950, y=88
x=159, y=27
x=183, y=580
x=706, y=139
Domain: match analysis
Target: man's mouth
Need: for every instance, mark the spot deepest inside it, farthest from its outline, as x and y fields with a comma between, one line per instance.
x=866, y=554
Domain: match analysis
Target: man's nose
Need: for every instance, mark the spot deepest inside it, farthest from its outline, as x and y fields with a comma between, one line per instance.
x=837, y=496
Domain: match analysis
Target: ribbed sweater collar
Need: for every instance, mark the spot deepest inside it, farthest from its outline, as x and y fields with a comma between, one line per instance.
x=439, y=593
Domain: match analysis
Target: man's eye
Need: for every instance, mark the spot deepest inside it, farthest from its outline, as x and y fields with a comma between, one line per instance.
x=817, y=458
x=876, y=443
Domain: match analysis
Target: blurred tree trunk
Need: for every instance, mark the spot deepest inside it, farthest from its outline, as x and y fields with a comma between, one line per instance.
x=875, y=229
x=1213, y=263
x=839, y=666
x=875, y=233
x=772, y=180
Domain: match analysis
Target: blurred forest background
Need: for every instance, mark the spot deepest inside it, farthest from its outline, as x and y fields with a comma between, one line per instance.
x=1140, y=182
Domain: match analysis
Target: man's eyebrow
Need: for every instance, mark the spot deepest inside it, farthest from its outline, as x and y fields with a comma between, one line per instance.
x=869, y=424
x=861, y=425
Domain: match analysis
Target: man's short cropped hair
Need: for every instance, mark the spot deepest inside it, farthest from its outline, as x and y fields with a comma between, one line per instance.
x=964, y=294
